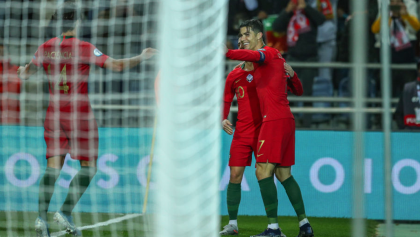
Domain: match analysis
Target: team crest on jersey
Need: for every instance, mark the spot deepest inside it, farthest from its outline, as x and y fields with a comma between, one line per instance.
x=249, y=78
x=97, y=53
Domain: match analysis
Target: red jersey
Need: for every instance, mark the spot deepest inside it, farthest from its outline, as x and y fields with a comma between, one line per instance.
x=242, y=84
x=66, y=61
x=10, y=84
x=271, y=81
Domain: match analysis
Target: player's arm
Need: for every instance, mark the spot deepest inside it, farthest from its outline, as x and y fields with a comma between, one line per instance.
x=120, y=64
x=226, y=124
x=293, y=84
x=24, y=72
x=229, y=93
x=247, y=55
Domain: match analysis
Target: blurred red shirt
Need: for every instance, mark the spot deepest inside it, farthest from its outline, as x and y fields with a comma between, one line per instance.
x=10, y=91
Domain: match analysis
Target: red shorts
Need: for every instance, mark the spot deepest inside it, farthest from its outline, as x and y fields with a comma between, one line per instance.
x=276, y=142
x=77, y=137
x=241, y=151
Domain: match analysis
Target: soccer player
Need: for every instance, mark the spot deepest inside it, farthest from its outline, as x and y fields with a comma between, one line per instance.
x=70, y=126
x=276, y=140
x=240, y=83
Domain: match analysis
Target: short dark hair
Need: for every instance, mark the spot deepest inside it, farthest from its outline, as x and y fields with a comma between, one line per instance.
x=67, y=14
x=254, y=24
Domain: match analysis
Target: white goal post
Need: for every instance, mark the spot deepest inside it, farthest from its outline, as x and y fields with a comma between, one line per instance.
x=189, y=117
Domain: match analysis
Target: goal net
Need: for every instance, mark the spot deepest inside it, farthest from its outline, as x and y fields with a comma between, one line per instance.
x=123, y=105
x=189, y=117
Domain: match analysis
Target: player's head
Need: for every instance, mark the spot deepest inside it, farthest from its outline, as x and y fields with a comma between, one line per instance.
x=251, y=34
x=240, y=44
x=67, y=16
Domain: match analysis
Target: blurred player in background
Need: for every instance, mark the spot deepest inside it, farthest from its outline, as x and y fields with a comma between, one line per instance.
x=9, y=89
x=70, y=126
x=276, y=140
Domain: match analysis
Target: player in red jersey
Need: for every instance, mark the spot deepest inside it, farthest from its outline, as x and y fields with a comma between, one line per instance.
x=70, y=126
x=276, y=141
x=240, y=82
x=9, y=89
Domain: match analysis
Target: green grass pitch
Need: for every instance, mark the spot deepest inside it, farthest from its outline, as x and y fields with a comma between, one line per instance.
x=21, y=224
x=323, y=227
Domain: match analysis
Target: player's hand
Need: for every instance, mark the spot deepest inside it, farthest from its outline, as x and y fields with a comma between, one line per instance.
x=148, y=53
x=227, y=126
x=21, y=72
x=219, y=48
x=289, y=69
x=20, y=69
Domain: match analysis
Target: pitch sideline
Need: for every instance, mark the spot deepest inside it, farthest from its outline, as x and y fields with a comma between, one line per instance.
x=105, y=223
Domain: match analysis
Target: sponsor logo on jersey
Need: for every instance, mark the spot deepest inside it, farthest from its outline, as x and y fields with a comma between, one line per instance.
x=249, y=78
x=97, y=53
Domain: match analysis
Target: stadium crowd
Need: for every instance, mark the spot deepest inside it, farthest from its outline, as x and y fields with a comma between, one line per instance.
x=302, y=30
x=324, y=36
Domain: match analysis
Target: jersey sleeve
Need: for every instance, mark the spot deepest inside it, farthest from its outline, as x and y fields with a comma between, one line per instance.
x=229, y=92
x=294, y=85
x=226, y=109
x=245, y=55
x=37, y=59
x=91, y=55
x=228, y=95
x=263, y=55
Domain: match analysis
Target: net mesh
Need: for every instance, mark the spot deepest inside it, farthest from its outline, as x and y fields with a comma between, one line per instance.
x=122, y=103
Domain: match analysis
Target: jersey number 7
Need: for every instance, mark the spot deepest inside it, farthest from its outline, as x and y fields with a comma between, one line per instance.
x=63, y=78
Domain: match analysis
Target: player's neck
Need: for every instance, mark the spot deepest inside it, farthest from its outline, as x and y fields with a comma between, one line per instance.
x=259, y=45
x=248, y=66
x=69, y=33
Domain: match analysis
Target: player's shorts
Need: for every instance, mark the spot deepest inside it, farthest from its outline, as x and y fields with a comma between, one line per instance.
x=276, y=142
x=241, y=151
x=77, y=137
